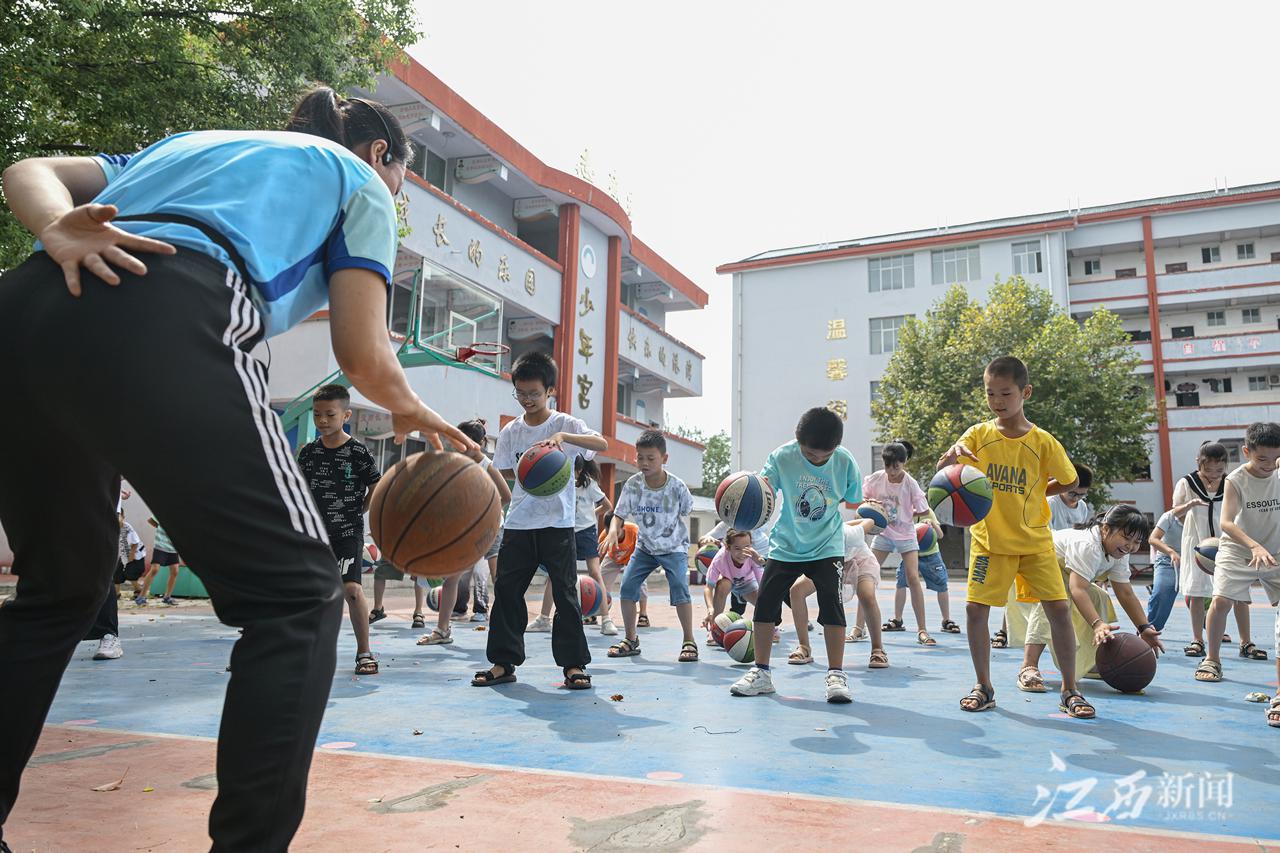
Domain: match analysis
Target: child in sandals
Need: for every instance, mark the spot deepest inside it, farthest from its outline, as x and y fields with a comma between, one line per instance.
x=660, y=504
x=1249, y=547
x=862, y=574
x=735, y=570
x=1088, y=553
x=933, y=572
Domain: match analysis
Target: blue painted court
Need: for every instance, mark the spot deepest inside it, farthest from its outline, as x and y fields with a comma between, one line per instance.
x=1210, y=763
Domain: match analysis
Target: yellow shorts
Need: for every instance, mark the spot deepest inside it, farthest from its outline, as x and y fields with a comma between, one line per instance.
x=1038, y=576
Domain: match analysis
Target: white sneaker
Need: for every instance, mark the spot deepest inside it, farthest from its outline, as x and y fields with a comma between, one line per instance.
x=757, y=681
x=607, y=627
x=540, y=625
x=838, y=687
x=109, y=648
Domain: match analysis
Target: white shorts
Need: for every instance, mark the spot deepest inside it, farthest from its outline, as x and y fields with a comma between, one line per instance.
x=1234, y=581
x=902, y=546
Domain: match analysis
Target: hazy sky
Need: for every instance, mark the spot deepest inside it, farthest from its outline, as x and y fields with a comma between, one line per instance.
x=743, y=126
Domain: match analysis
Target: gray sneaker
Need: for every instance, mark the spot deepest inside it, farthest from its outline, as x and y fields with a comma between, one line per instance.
x=756, y=682
x=607, y=627
x=838, y=688
x=109, y=648
x=541, y=625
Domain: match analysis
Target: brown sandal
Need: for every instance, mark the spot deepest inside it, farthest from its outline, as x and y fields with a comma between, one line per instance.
x=980, y=699
x=1074, y=705
x=923, y=638
x=1030, y=680
x=688, y=653
x=878, y=660
x=1273, y=713
x=366, y=664
x=800, y=656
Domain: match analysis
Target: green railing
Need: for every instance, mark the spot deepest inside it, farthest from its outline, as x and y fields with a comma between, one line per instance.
x=414, y=352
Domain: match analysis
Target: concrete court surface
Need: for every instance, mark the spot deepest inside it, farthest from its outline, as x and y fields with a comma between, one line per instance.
x=659, y=756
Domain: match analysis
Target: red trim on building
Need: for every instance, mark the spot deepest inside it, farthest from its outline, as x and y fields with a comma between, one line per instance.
x=1157, y=365
x=477, y=125
x=570, y=234
x=620, y=450
x=671, y=435
x=899, y=245
x=492, y=226
x=652, y=325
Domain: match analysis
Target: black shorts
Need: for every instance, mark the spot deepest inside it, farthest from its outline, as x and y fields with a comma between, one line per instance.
x=586, y=543
x=161, y=557
x=129, y=571
x=775, y=588
x=349, y=553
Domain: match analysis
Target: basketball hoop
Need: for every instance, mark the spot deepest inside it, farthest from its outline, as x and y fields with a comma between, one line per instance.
x=470, y=351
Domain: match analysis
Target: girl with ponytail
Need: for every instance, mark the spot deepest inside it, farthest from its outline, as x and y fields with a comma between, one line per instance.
x=1089, y=553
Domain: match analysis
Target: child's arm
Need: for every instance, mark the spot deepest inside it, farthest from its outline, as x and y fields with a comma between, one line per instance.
x=1230, y=508
x=1079, y=589
x=153, y=522
x=619, y=519
x=957, y=452
x=603, y=506
x=1157, y=541
x=1180, y=511
x=1056, y=488
x=1133, y=608
x=585, y=440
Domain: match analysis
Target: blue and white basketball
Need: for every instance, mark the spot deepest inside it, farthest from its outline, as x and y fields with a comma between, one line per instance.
x=744, y=501
x=875, y=511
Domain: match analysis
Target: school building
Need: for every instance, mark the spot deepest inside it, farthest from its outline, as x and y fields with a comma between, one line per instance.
x=502, y=248
x=1195, y=279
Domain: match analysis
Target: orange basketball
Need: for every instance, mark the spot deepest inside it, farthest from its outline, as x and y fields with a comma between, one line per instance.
x=434, y=514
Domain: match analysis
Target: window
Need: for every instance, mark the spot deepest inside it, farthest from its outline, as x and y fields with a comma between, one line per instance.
x=1142, y=472
x=1233, y=446
x=1093, y=267
x=956, y=265
x=893, y=273
x=1257, y=383
x=1183, y=332
x=875, y=391
x=877, y=463
x=1178, y=267
x=401, y=298
x=1026, y=258
x=1244, y=251
x=1139, y=335
x=1210, y=255
x=884, y=333
x=1127, y=272
x=1189, y=398
x=428, y=165
x=1217, y=318
x=1251, y=315
x=1275, y=256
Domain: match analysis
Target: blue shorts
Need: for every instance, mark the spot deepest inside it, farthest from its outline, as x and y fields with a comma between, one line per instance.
x=675, y=564
x=586, y=543
x=932, y=570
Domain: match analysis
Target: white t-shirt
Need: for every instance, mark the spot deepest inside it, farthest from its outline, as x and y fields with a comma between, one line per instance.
x=131, y=538
x=528, y=512
x=585, y=506
x=662, y=514
x=1081, y=551
x=855, y=542
x=1063, y=517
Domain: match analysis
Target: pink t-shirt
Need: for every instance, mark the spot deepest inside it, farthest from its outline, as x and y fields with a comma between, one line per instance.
x=902, y=501
x=722, y=567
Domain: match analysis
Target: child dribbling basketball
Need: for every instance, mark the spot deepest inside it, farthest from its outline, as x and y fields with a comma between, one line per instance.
x=660, y=504
x=735, y=570
x=538, y=531
x=811, y=476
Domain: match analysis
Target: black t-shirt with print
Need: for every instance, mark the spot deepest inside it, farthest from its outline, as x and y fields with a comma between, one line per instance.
x=339, y=478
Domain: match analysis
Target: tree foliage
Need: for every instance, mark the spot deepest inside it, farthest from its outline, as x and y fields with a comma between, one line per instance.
x=1082, y=374
x=83, y=76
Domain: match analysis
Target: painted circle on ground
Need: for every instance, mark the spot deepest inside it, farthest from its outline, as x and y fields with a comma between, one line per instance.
x=664, y=776
x=79, y=722
x=338, y=744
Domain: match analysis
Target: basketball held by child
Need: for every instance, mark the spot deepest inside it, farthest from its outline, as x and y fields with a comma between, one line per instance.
x=876, y=513
x=1207, y=555
x=926, y=536
x=544, y=471
x=739, y=642
x=723, y=622
x=744, y=501
x=960, y=495
x=590, y=596
x=434, y=514
x=1126, y=662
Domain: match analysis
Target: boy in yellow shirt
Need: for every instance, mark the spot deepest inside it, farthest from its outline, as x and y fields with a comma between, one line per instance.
x=1025, y=465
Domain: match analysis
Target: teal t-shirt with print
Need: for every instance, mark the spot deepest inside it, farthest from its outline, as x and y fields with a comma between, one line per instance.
x=808, y=527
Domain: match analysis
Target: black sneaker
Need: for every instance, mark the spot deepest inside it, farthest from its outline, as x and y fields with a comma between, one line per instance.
x=591, y=620
x=376, y=615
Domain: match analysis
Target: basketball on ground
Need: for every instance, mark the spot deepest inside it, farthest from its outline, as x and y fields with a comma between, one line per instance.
x=434, y=514
x=739, y=642
x=721, y=623
x=590, y=596
x=744, y=501
x=960, y=495
x=544, y=471
x=1126, y=662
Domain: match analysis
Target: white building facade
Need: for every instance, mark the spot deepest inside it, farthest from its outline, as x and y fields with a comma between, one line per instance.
x=502, y=248
x=1194, y=278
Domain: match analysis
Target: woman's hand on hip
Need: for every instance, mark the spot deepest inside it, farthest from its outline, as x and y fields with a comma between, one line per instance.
x=85, y=237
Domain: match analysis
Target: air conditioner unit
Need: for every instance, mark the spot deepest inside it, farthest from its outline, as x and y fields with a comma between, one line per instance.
x=1274, y=380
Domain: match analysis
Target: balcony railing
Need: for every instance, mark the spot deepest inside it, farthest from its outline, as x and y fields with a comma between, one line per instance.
x=1235, y=416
